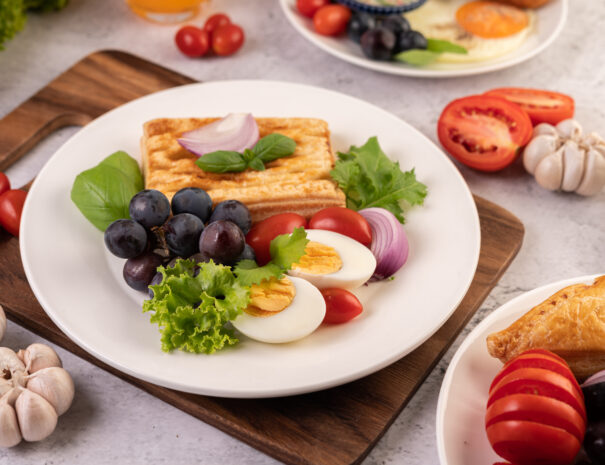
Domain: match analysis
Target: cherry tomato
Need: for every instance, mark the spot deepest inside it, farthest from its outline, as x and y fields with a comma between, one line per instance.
x=11, y=206
x=5, y=184
x=263, y=232
x=341, y=305
x=215, y=21
x=484, y=132
x=192, y=41
x=226, y=40
x=542, y=106
x=344, y=221
x=309, y=7
x=331, y=20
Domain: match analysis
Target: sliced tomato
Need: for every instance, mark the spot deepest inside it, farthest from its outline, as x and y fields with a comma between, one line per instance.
x=341, y=305
x=542, y=106
x=535, y=360
x=263, y=232
x=484, y=132
x=526, y=442
x=545, y=352
x=539, y=382
x=538, y=409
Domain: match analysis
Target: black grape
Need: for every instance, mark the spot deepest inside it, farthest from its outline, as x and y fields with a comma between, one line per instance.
x=222, y=241
x=235, y=211
x=182, y=233
x=139, y=271
x=150, y=208
x=125, y=238
x=192, y=200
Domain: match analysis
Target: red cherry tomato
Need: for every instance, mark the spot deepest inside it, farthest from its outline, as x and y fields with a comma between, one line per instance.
x=226, y=40
x=344, y=221
x=263, y=232
x=192, y=41
x=341, y=305
x=11, y=206
x=484, y=132
x=309, y=7
x=215, y=21
x=542, y=106
x=331, y=20
x=5, y=184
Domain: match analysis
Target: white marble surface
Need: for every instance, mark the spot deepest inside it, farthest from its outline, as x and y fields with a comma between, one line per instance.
x=114, y=422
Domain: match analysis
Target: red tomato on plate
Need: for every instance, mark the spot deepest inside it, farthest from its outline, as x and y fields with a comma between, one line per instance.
x=5, y=184
x=341, y=305
x=309, y=7
x=535, y=411
x=263, y=232
x=226, y=40
x=542, y=106
x=11, y=206
x=192, y=41
x=344, y=221
x=331, y=20
x=484, y=132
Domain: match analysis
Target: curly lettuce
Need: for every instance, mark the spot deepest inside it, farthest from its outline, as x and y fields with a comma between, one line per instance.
x=13, y=14
x=192, y=310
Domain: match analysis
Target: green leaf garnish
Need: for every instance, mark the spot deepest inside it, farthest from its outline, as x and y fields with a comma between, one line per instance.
x=222, y=161
x=274, y=146
x=417, y=57
x=444, y=46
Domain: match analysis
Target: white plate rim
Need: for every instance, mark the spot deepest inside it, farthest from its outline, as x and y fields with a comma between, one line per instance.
x=444, y=393
x=409, y=71
x=474, y=228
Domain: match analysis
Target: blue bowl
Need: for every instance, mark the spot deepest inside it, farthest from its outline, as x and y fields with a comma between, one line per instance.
x=382, y=9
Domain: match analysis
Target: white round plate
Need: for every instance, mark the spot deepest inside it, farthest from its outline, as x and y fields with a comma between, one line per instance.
x=461, y=438
x=80, y=285
x=550, y=21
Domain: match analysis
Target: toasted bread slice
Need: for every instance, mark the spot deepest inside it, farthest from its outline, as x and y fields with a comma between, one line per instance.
x=570, y=323
x=299, y=183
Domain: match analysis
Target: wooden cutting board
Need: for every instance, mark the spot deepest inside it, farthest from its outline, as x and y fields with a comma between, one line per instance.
x=331, y=427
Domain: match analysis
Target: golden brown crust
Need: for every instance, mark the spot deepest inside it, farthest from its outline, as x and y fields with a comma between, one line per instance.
x=570, y=323
x=299, y=183
x=526, y=3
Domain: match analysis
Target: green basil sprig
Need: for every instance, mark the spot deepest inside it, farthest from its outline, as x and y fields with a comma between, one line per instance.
x=267, y=149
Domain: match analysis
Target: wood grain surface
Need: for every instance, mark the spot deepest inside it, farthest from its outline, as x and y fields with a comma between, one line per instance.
x=330, y=427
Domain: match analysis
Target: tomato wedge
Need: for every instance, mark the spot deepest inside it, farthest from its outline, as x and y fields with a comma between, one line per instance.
x=526, y=442
x=263, y=232
x=542, y=106
x=483, y=131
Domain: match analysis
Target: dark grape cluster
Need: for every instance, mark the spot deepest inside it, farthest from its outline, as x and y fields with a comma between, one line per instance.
x=152, y=237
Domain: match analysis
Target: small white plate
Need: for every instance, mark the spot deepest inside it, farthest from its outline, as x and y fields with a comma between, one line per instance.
x=461, y=437
x=549, y=24
x=81, y=288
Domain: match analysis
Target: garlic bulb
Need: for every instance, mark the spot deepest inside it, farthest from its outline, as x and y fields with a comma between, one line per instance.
x=2, y=322
x=562, y=158
x=34, y=391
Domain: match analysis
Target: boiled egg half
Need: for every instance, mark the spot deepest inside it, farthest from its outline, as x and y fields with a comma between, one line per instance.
x=281, y=311
x=334, y=260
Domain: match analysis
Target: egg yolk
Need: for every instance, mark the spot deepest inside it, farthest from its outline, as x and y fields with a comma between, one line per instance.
x=318, y=259
x=270, y=297
x=491, y=20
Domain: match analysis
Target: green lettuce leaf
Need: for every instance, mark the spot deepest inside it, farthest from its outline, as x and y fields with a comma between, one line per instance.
x=192, y=311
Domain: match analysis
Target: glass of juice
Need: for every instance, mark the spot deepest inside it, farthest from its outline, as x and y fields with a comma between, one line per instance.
x=166, y=11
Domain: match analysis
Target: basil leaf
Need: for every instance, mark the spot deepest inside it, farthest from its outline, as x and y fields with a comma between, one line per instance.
x=274, y=146
x=126, y=164
x=248, y=155
x=103, y=194
x=256, y=164
x=417, y=57
x=443, y=46
x=222, y=161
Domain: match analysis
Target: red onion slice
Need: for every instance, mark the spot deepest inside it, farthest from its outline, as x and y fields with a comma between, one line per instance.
x=389, y=242
x=235, y=132
x=597, y=378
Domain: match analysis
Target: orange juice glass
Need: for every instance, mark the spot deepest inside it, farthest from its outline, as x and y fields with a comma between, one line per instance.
x=166, y=11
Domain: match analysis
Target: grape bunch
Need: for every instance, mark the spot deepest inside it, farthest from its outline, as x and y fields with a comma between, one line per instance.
x=152, y=237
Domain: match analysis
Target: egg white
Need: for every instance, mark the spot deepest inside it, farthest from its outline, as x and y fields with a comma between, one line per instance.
x=436, y=19
x=358, y=263
x=304, y=314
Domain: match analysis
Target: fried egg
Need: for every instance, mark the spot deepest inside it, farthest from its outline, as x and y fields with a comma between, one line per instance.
x=486, y=29
x=282, y=311
x=334, y=260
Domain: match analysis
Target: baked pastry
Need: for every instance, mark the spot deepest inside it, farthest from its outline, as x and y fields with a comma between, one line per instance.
x=299, y=183
x=526, y=3
x=570, y=323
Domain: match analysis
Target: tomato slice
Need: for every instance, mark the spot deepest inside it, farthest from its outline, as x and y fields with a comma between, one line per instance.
x=535, y=360
x=539, y=382
x=484, y=132
x=526, y=443
x=341, y=305
x=538, y=409
x=545, y=352
x=263, y=232
x=542, y=106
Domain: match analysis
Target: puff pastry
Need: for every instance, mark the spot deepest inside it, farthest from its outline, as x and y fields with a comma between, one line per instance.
x=570, y=323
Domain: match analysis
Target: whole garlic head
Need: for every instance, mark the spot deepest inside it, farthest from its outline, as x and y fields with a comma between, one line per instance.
x=32, y=394
x=562, y=158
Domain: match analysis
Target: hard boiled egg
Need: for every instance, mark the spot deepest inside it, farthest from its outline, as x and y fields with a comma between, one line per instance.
x=334, y=260
x=282, y=311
